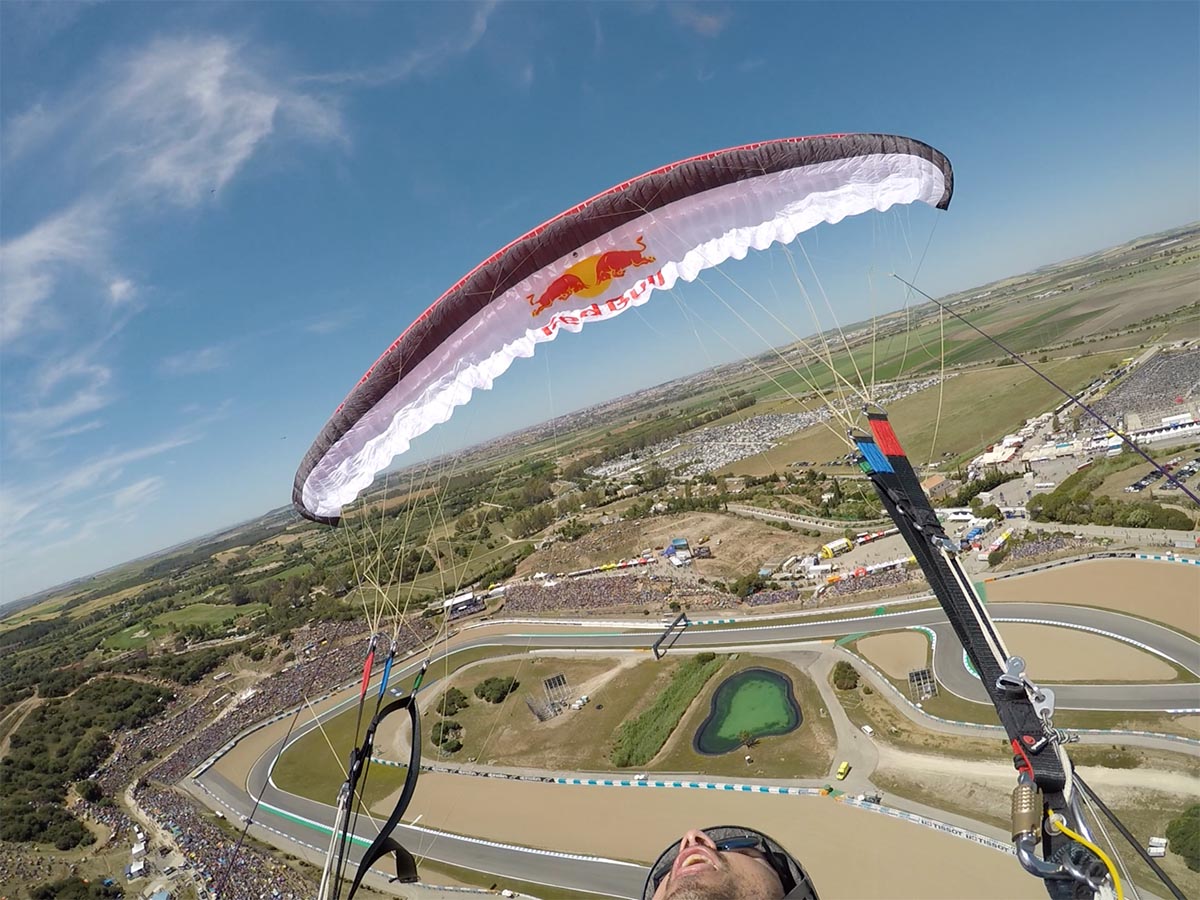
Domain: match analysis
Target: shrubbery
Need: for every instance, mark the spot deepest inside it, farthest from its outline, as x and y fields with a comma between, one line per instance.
x=444, y=730
x=1075, y=502
x=452, y=701
x=61, y=742
x=494, y=690
x=845, y=676
x=74, y=888
x=1184, y=836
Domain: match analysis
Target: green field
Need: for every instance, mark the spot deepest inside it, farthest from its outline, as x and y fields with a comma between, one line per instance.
x=806, y=752
x=207, y=614
x=507, y=734
x=141, y=633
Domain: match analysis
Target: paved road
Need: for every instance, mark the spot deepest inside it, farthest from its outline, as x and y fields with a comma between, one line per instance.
x=607, y=876
x=303, y=820
x=948, y=657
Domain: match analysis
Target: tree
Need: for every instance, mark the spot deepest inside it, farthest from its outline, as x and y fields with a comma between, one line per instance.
x=495, y=689
x=1184, y=836
x=445, y=731
x=845, y=676
x=452, y=701
x=747, y=739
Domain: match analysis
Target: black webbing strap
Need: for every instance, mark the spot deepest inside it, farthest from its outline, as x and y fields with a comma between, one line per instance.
x=384, y=843
x=896, y=483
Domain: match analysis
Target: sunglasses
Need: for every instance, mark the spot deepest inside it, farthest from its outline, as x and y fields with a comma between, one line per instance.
x=739, y=844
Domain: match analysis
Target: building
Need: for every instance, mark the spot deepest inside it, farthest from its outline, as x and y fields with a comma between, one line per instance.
x=462, y=605
x=937, y=486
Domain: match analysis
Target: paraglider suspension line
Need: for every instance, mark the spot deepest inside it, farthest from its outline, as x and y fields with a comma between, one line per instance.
x=1062, y=390
x=250, y=818
x=1133, y=841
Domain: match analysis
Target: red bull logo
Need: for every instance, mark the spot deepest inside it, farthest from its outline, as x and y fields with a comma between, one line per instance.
x=590, y=277
x=607, y=308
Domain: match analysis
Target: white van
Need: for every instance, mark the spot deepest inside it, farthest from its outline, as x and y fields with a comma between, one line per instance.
x=868, y=731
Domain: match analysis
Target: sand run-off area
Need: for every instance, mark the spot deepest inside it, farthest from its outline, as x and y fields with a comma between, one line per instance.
x=898, y=652
x=1053, y=653
x=1166, y=592
x=1066, y=654
x=849, y=852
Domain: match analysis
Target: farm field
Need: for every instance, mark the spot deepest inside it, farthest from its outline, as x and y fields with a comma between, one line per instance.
x=1010, y=394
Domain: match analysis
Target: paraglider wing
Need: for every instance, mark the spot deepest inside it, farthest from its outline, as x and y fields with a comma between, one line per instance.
x=593, y=262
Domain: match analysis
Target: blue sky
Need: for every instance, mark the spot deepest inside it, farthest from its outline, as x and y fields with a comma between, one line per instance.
x=215, y=216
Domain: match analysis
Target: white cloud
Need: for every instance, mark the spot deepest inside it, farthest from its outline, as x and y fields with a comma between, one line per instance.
x=44, y=499
x=174, y=121
x=137, y=494
x=706, y=23
x=170, y=122
x=196, y=362
x=419, y=61
x=32, y=264
x=120, y=290
x=62, y=392
x=177, y=119
x=325, y=326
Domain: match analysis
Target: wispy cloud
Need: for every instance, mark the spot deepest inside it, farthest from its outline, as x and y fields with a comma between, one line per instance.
x=161, y=127
x=74, y=241
x=327, y=325
x=137, y=494
x=63, y=391
x=175, y=120
x=97, y=478
x=418, y=61
x=706, y=22
x=196, y=362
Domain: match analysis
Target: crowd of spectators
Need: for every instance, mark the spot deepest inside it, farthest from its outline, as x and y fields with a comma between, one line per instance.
x=314, y=674
x=1045, y=544
x=22, y=866
x=1150, y=390
x=712, y=448
x=709, y=449
x=779, y=595
x=153, y=740
x=250, y=875
x=584, y=594
x=883, y=579
x=108, y=814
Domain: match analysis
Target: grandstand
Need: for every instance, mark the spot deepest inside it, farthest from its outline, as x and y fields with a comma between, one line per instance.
x=1167, y=386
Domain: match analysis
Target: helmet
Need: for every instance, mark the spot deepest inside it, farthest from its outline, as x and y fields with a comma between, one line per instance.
x=796, y=883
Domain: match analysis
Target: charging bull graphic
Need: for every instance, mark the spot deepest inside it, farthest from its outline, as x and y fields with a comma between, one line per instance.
x=590, y=277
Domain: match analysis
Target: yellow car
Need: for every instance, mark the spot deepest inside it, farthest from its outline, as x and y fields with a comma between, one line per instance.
x=843, y=771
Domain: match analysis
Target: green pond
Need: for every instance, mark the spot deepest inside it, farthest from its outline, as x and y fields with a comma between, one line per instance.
x=759, y=701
